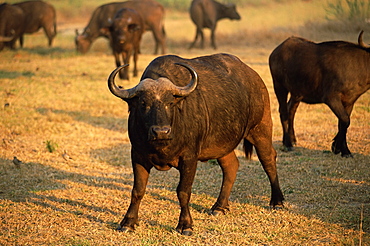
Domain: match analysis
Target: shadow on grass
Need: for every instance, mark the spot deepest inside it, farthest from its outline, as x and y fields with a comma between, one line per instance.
x=316, y=184
x=51, y=51
x=109, y=123
x=26, y=183
x=15, y=74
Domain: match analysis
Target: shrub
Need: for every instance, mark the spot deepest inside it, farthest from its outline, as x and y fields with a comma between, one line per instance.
x=348, y=10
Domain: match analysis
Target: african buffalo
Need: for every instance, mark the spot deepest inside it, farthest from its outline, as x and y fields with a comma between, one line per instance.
x=206, y=13
x=151, y=12
x=38, y=14
x=185, y=110
x=125, y=33
x=11, y=25
x=335, y=73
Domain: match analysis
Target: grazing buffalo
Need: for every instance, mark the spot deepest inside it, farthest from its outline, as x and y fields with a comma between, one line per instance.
x=189, y=110
x=125, y=36
x=11, y=25
x=38, y=14
x=335, y=73
x=151, y=12
x=206, y=13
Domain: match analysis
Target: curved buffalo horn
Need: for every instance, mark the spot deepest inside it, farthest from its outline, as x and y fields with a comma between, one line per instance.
x=186, y=90
x=121, y=93
x=8, y=38
x=361, y=42
x=130, y=93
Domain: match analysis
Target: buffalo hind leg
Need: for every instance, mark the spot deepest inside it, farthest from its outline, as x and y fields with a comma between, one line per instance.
x=198, y=33
x=343, y=114
x=261, y=137
x=50, y=32
x=292, y=109
x=160, y=39
x=229, y=165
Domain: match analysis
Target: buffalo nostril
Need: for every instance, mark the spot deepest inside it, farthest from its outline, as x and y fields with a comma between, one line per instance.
x=161, y=130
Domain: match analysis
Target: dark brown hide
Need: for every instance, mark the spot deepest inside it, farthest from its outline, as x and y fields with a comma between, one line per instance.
x=151, y=12
x=205, y=14
x=335, y=73
x=38, y=14
x=11, y=25
x=176, y=123
x=125, y=35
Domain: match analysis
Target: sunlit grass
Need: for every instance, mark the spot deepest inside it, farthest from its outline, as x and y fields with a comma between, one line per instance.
x=58, y=96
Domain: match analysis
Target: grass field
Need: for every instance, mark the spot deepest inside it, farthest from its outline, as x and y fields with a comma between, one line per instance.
x=55, y=101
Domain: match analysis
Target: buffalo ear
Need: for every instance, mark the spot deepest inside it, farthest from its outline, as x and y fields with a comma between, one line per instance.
x=105, y=31
x=134, y=27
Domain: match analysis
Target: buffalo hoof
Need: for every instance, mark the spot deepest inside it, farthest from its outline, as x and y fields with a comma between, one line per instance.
x=277, y=207
x=217, y=210
x=185, y=232
x=286, y=149
x=334, y=149
x=347, y=155
x=124, y=229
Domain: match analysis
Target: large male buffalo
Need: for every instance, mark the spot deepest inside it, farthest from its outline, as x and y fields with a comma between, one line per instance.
x=151, y=12
x=206, y=13
x=11, y=25
x=336, y=73
x=125, y=35
x=38, y=14
x=189, y=110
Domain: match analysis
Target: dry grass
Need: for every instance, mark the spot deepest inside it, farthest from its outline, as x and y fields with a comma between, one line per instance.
x=60, y=97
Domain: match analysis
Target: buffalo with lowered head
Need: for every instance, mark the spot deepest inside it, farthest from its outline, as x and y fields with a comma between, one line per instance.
x=336, y=73
x=11, y=25
x=151, y=12
x=189, y=110
x=38, y=14
x=125, y=34
x=206, y=13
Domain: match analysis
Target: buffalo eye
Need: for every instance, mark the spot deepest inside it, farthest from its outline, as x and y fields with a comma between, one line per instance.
x=143, y=106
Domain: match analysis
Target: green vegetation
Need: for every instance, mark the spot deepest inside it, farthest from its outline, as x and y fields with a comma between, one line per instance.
x=349, y=10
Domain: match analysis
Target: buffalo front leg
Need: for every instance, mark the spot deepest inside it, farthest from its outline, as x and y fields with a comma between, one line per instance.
x=136, y=55
x=187, y=173
x=229, y=165
x=213, y=37
x=141, y=175
x=124, y=73
x=118, y=62
x=282, y=97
